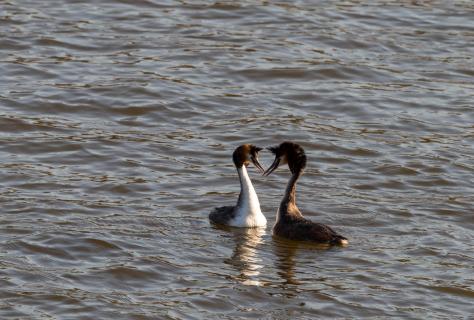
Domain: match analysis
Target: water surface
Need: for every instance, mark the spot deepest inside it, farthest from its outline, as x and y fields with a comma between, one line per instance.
x=118, y=120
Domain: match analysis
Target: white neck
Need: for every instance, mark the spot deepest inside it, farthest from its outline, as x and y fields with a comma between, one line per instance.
x=247, y=211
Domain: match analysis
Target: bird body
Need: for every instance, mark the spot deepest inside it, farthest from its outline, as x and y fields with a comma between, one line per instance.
x=301, y=229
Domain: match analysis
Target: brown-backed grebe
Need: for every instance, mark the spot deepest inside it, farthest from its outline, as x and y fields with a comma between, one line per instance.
x=246, y=213
x=290, y=223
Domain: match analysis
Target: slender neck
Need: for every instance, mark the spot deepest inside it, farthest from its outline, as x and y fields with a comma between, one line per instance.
x=288, y=206
x=247, y=195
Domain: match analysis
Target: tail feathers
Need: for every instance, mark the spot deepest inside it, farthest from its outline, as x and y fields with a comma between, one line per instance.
x=340, y=240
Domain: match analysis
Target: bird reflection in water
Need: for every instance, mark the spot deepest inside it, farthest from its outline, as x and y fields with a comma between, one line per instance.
x=244, y=256
x=285, y=251
x=285, y=260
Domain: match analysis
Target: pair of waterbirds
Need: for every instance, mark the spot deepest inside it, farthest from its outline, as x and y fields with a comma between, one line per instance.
x=290, y=223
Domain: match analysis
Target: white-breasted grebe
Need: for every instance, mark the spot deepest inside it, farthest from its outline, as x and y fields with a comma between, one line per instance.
x=246, y=213
x=290, y=223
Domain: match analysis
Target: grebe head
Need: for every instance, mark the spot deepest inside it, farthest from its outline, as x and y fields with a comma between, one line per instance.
x=245, y=154
x=290, y=153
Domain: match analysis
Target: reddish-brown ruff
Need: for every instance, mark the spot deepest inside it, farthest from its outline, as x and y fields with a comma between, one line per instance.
x=290, y=222
x=244, y=154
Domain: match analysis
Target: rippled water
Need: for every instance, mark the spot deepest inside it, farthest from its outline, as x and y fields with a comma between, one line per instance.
x=118, y=119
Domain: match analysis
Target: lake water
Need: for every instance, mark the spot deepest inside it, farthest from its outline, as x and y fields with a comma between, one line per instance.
x=118, y=119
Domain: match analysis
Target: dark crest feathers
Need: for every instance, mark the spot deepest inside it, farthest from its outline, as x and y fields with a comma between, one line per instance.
x=255, y=149
x=295, y=155
x=273, y=149
x=241, y=153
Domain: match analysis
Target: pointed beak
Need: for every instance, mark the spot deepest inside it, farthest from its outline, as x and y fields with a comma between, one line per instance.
x=274, y=165
x=257, y=164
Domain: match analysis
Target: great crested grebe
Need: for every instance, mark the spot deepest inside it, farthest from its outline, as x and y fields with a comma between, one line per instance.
x=246, y=213
x=290, y=223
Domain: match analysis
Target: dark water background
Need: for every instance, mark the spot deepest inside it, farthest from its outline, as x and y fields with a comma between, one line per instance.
x=117, y=123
